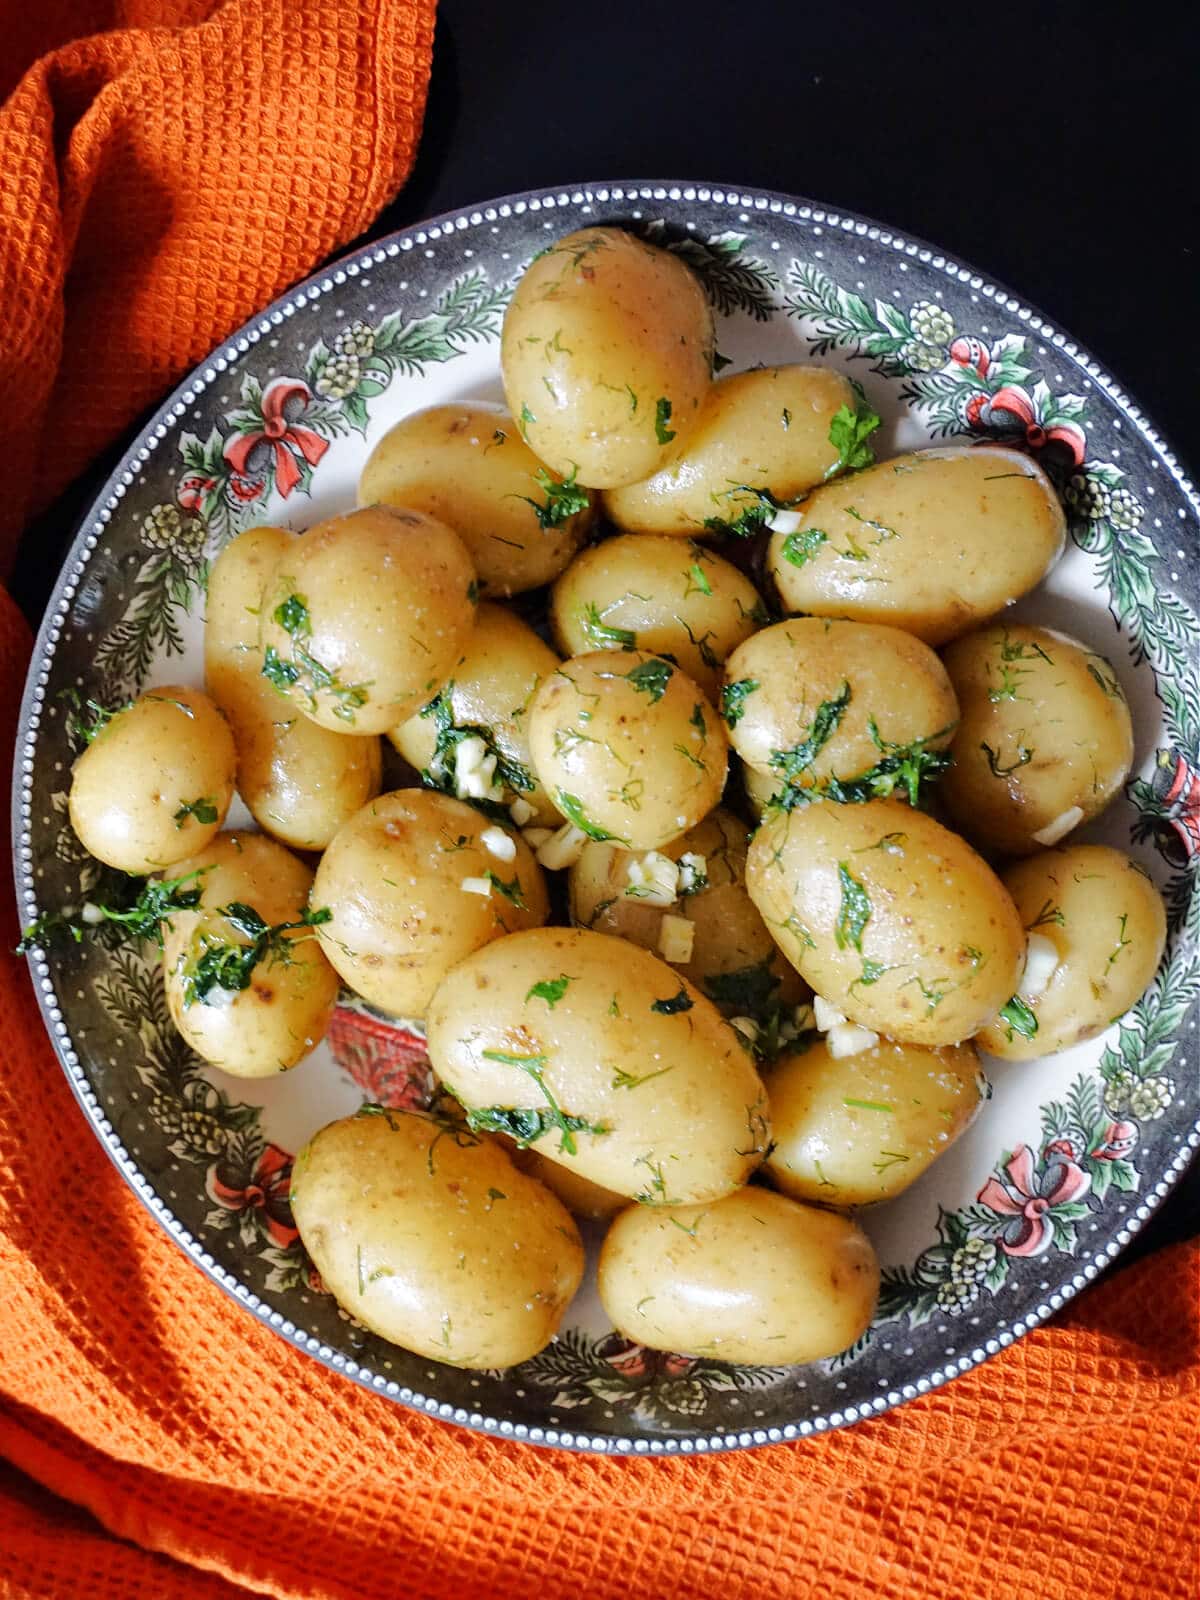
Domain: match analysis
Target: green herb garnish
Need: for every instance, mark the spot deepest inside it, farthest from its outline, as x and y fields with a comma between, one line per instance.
x=599, y=633
x=141, y=917
x=672, y=1007
x=904, y=767
x=564, y=498
x=1018, y=1018
x=304, y=669
x=792, y=764
x=525, y=1124
x=662, y=415
x=651, y=678
x=572, y=808
x=801, y=546
x=551, y=990
x=203, y=811
x=228, y=965
x=854, y=912
x=698, y=579
x=1023, y=757
x=849, y=433
x=733, y=699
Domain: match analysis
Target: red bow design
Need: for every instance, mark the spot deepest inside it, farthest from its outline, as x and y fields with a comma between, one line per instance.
x=266, y=1189
x=282, y=402
x=1029, y=1195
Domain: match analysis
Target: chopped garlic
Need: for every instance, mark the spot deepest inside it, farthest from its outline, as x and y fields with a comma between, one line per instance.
x=785, y=522
x=676, y=938
x=653, y=878
x=1060, y=827
x=848, y=1039
x=521, y=811
x=825, y=1015
x=1041, y=963
x=535, y=838
x=747, y=1027
x=693, y=872
x=562, y=849
x=499, y=844
x=91, y=914
x=475, y=771
x=482, y=886
x=220, y=997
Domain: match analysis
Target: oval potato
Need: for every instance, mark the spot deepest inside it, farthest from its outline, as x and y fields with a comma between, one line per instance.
x=605, y=1060
x=753, y=1278
x=933, y=542
x=433, y=1239
x=580, y=1195
x=891, y=917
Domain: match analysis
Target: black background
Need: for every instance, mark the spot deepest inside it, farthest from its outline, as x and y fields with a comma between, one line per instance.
x=1047, y=145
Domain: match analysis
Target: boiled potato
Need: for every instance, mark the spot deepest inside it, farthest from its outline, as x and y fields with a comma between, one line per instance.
x=766, y=430
x=155, y=782
x=299, y=781
x=252, y=994
x=468, y=466
x=810, y=700
x=605, y=1060
x=433, y=1239
x=365, y=616
x=733, y=958
x=627, y=747
x=933, y=542
x=1104, y=921
x=753, y=1278
x=415, y=881
x=863, y=1128
x=490, y=690
x=892, y=918
x=761, y=787
x=1045, y=740
x=673, y=598
x=606, y=353
x=580, y=1195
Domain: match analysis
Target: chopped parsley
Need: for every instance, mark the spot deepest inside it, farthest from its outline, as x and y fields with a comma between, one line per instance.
x=304, y=670
x=227, y=964
x=551, y=990
x=651, y=678
x=87, y=719
x=800, y=547
x=524, y=1124
x=750, y=518
x=792, y=764
x=524, y=420
x=854, y=912
x=511, y=891
x=1018, y=1018
x=572, y=808
x=904, y=767
x=748, y=990
x=733, y=699
x=662, y=416
x=441, y=771
x=849, y=434
x=672, y=1007
x=599, y=633
x=699, y=580
x=138, y=910
x=203, y=811
x=564, y=498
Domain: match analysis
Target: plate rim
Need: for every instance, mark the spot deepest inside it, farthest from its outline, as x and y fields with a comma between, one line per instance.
x=91, y=528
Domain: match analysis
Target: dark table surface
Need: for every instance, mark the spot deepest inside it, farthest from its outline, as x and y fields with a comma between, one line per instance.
x=1047, y=145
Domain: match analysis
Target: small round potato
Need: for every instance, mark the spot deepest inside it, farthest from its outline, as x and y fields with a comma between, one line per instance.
x=1106, y=922
x=809, y=700
x=300, y=781
x=491, y=689
x=290, y=990
x=1045, y=740
x=607, y=354
x=365, y=616
x=933, y=542
x=761, y=430
x=627, y=747
x=892, y=918
x=155, y=783
x=754, y=1278
x=468, y=466
x=416, y=881
x=673, y=598
x=854, y=1131
x=580, y=1195
x=433, y=1239
x=604, y=1059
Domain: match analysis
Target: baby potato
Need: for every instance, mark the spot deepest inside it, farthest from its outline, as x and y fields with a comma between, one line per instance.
x=469, y=467
x=1105, y=922
x=415, y=881
x=761, y=430
x=606, y=353
x=491, y=689
x=300, y=781
x=754, y=1278
x=892, y=918
x=672, y=598
x=433, y=1239
x=605, y=1060
x=1045, y=740
x=933, y=542
x=627, y=747
x=365, y=617
x=854, y=1131
x=285, y=1000
x=811, y=700
x=580, y=1195
x=156, y=781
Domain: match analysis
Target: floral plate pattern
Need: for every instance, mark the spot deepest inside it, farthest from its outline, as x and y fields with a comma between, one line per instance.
x=1071, y=1156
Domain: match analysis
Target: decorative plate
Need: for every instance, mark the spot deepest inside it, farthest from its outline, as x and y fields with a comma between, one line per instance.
x=1071, y=1155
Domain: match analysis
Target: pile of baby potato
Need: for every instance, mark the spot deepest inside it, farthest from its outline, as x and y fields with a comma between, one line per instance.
x=743, y=1034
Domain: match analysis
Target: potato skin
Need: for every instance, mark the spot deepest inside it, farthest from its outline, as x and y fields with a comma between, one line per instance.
x=433, y=1239
x=286, y=1010
x=667, y=596
x=491, y=687
x=862, y=1129
x=766, y=429
x=933, y=543
x=1045, y=729
x=887, y=679
x=938, y=921
x=131, y=787
x=381, y=600
x=606, y=355
x=754, y=1278
x=299, y=781
x=671, y=1103
x=629, y=744
x=469, y=467
x=1107, y=922
x=401, y=919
